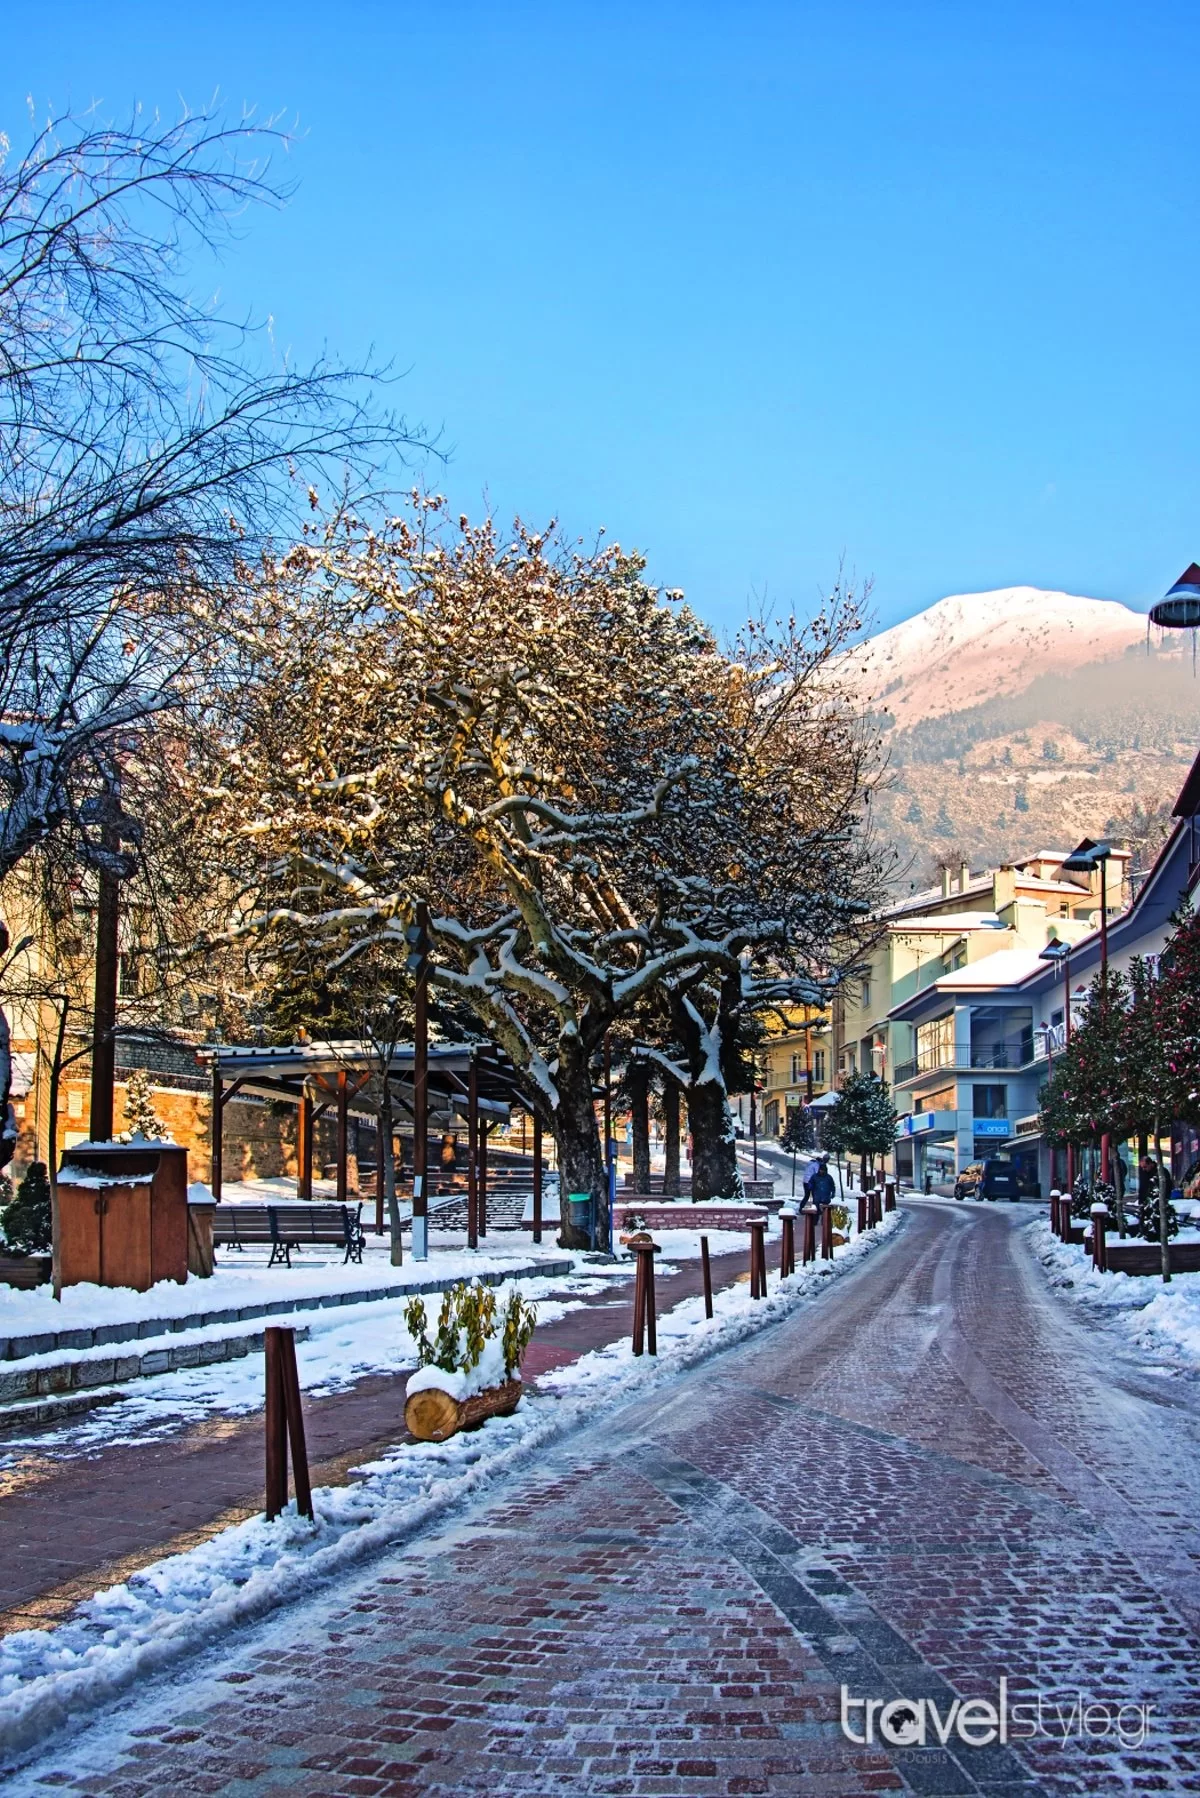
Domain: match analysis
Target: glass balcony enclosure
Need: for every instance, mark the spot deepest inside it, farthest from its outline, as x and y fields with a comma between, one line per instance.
x=1000, y=1037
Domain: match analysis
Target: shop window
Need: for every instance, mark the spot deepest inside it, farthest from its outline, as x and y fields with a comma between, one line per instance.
x=990, y=1101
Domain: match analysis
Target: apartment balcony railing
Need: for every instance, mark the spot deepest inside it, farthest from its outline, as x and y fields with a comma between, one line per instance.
x=1012, y=1053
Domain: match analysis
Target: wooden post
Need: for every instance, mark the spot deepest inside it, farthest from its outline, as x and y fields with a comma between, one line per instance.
x=787, y=1250
x=343, y=1118
x=218, y=1113
x=276, y=1427
x=827, y=1232
x=104, y=1011
x=758, y=1258
x=862, y=1212
x=484, y=1126
x=808, y=1251
x=889, y=1195
x=643, y=1298
x=420, y=1232
x=1099, y=1219
x=304, y=1146
x=284, y=1421
x=706, y=1270
x=472, y=1156
x=537, y=1179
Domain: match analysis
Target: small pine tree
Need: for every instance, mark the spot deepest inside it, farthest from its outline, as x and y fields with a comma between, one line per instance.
x=26, y=1222
x=1149, y=1218
x=799, y=1133
x=140, y=1114
x=863, y=1122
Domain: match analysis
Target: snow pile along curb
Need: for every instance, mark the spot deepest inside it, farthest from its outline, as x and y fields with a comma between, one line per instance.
x=175, y=1606
x=1161, y=1319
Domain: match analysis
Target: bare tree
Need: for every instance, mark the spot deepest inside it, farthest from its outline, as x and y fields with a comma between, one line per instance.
x=555, y=756
x=149, y=445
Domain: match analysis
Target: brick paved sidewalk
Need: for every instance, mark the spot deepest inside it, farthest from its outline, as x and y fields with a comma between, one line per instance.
x=932, y=1479
x=72, y=1524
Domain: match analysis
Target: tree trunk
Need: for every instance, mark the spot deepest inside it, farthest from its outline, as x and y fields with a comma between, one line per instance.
x=1164, y=1188
x=580, y=1158
x=637, y=1080
x=8, y=1138
x=54, y=1084
x=389, y=1176
x=862, y=1173
x=670, y=1105
x=715, y=1173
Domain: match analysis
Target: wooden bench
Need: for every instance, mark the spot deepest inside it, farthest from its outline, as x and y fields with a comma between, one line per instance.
x=288, y=1227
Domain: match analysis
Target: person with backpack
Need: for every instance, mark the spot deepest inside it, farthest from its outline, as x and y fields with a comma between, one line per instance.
x=819, y=1186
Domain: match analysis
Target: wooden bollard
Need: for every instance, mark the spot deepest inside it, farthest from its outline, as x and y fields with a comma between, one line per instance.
x=706, y=1270
x=1056, y=1213
x=787, y=1248
x=643, y=1298
x=827, y=1232
x=862, y=1212
x=889, y=1195
x=874, y=1207
x=1099, y=1220
x=758, y=1258
x=808, y=1247
x=285, y=1422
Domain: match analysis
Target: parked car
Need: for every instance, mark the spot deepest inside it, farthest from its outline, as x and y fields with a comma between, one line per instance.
x=967, y=1184
x=999, y=1180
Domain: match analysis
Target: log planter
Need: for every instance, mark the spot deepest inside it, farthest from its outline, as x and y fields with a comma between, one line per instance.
x=433, y=1415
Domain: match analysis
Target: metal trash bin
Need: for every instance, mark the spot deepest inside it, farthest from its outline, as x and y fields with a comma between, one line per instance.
x=579, y=1210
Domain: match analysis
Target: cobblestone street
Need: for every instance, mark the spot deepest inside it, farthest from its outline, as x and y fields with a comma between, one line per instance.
x=931, y=1480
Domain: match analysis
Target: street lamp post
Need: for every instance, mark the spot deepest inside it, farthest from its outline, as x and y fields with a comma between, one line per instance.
x=1084, y=860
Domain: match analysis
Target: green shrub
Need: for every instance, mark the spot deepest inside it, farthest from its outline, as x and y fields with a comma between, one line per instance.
x=26, y=1220
x=467, y=1321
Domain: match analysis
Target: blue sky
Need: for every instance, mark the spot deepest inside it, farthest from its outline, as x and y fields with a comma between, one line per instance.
x=754, y=287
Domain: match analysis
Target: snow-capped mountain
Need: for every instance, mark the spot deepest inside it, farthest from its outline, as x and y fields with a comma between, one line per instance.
x=1021, y=718
x=974, y=647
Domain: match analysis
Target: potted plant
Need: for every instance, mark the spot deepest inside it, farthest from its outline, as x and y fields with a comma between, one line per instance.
x=471, y=1368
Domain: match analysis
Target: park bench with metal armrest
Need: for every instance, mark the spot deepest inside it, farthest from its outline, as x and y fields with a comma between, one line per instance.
x=288, y=1227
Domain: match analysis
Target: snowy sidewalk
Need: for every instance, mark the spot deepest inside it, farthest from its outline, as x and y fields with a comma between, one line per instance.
x=1161, y=1320
x=75, y=1525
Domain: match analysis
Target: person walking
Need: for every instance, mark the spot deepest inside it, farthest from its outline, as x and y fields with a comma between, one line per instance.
x=820, y=1188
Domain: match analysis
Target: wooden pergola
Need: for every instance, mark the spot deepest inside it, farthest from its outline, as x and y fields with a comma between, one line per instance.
x=473, y=1083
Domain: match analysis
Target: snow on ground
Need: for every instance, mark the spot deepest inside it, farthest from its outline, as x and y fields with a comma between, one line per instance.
x=244, y=1278
x=175, y=1605
x=342, y=1347
x=1163, y=1320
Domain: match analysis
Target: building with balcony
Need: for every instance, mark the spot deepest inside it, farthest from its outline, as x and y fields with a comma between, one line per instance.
x=979, y=1039
x=795, y=1062
x=944, y=929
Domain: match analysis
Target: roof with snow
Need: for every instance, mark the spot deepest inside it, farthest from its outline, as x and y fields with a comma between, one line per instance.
x=284, y=1071
x=1007, y=968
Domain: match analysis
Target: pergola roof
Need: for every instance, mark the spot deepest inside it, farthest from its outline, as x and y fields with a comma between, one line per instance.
x=287, y=1070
